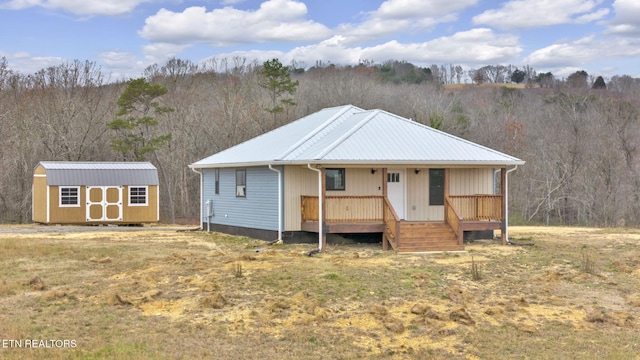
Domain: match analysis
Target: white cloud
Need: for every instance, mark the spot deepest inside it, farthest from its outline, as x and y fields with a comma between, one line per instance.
x=582, y=52
x=516, y=14
x=372, y=29
x=333, y=50
x=474, y=47
x=117, y=60
x=159, y=52
x=408, y=9
x=396, y=16
x=471, y=48
x=121, y=65
x=25, y=63
x=78, y=7
x=593, y=16
x=275, y=20
x=627, y=18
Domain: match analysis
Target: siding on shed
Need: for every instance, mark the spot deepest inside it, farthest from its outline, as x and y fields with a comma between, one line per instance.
x=258, y=210
x=39, y=196
x=141, y=213
x=67, y=215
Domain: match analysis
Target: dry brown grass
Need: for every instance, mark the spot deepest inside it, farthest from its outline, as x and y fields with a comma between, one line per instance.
x=178, y=295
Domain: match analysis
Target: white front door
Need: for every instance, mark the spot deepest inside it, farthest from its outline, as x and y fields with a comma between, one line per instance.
x=104, y=203
x=396, y=190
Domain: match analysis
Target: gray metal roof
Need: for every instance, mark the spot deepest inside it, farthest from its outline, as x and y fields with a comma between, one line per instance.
x=100, y=173
x=350, y=135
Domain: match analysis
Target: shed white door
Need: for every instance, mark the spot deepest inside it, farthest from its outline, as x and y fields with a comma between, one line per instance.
x=104, y=203
x=396, y=190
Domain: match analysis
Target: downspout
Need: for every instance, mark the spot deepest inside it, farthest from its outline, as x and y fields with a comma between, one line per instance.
x=201, y=194
x=279, y=201
x=506, y=195
x=319, y=206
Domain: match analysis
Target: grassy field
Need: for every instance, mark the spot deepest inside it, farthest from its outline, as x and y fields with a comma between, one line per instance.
x=162, y=294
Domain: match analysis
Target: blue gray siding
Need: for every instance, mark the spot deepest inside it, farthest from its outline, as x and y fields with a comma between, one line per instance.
x=258, y=210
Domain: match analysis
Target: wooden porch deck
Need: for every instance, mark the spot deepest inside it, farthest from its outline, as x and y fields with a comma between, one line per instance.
x=375, y=214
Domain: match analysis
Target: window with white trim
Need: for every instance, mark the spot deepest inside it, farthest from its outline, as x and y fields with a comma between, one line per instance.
x=69, y=196
x=241, y=183
x=138, y=195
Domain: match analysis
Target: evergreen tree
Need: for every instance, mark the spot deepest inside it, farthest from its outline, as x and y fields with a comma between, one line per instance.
x=135, y=120
x=599, y=83
x=276, y=79
x=518, y=76
x=134, y=125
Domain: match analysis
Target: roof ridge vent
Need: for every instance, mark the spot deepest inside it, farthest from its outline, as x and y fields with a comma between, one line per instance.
x=313, y=133
x=347, y=134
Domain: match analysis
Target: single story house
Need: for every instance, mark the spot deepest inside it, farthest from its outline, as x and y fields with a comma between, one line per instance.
x=348, y=170
x=67, y=192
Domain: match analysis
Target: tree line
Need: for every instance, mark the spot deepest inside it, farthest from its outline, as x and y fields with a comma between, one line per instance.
x=580, y=140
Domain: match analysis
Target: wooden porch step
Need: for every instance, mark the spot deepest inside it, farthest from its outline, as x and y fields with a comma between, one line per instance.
x=427, y=236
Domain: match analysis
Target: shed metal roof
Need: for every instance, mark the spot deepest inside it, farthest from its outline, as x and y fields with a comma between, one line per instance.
x=100, y=173
x=350, y=135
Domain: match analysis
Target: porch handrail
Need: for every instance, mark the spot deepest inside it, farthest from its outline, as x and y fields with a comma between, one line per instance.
x=350, y=208
x=452, y=218
x=481, y=207
x=391, y=222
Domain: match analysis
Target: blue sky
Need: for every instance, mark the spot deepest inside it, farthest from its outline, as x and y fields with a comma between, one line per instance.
x=123, y=37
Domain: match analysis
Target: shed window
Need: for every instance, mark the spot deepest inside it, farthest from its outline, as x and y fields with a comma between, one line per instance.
x=241, y=183
x=69, y=196
x=138, y=195
x=436, y=186
x=335, y=179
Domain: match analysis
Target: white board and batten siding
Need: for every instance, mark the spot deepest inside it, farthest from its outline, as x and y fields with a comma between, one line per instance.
x=462, y=181
x=471, y=181
x=257, y=210
x=299, y=180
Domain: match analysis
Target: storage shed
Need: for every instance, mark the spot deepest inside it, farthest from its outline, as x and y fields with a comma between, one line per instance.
x=66, y=192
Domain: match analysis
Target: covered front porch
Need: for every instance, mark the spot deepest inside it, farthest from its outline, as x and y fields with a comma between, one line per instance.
x=376, y=214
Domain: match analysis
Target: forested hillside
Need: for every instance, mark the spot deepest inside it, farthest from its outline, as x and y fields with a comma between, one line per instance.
x=579, y=135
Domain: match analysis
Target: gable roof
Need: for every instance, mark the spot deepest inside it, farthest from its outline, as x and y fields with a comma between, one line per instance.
x=350, y=135
x=99, y=173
